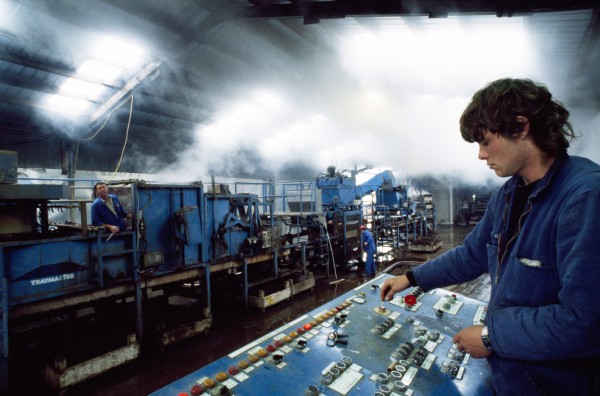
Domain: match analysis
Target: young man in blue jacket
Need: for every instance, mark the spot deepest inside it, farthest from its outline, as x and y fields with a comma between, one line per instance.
x=539, y=242
x=107, y=211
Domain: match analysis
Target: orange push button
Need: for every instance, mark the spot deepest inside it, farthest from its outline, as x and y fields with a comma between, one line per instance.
x=209, y=383
x=222, y=376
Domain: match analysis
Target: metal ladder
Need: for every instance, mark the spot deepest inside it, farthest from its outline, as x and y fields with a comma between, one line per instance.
x=325, y=244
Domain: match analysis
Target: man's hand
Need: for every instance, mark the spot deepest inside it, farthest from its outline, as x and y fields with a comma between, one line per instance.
x=469, y=340
x=392, y=286
x=111, y=228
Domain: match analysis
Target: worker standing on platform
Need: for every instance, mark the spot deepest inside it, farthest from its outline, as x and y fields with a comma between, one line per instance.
x=538, y=240
x=369, y=248
x=107, y=211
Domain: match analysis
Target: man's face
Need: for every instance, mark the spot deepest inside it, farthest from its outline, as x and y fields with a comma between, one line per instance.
x=102, y=191
x=504, y=156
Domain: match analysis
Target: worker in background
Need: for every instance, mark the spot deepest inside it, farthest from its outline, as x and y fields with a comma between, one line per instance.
x=107, y=211
x=369, y=248
x=538, y=240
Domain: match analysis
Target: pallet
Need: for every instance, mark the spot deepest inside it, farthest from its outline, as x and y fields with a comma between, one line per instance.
x=424, y=245
x=290, y=289
x=58, y=375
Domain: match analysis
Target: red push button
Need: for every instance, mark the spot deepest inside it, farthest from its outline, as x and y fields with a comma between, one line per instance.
x=410, y=300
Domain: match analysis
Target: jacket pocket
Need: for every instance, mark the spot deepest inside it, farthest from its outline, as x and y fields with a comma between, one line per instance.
x=527, y=282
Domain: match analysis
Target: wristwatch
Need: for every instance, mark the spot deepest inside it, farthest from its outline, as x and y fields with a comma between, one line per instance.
x=485, y=338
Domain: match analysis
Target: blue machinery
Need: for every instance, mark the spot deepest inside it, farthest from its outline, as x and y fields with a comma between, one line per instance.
x=395, y=220
x=179, y=235
x=355, y=346
x=181, y=238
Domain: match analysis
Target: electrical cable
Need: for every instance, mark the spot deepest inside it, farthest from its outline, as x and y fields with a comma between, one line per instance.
x=126, y=138
x=102, y=127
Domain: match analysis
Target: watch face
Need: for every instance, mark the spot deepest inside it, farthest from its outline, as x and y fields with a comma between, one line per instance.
x=485, y=339
x=486, y=342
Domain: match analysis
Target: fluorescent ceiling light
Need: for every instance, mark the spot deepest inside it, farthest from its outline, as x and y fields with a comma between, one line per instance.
x=65, y=105
x=111, y=61
x=101, y=71
x=119, y=51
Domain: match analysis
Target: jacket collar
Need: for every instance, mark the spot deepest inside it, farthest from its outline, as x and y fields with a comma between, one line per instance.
x=544, y=182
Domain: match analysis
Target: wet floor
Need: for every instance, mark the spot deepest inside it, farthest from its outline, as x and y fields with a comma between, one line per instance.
x=234, y=327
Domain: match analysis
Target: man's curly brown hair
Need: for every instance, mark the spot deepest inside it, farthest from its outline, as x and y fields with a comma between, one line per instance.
x=496, y=106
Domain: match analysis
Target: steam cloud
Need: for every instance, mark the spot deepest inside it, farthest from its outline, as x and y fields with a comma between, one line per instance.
x=279, y=99
x=391, y=98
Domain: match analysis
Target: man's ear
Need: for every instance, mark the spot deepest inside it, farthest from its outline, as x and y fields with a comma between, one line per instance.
x=525, y=126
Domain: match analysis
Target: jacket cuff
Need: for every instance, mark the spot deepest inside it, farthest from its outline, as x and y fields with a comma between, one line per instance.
x=411, y=278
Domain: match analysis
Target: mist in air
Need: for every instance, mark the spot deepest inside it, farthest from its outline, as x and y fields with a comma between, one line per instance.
x=390, y=96
x=274, y=98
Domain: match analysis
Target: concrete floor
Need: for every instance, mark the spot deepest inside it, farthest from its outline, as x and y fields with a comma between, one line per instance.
x=234, y=327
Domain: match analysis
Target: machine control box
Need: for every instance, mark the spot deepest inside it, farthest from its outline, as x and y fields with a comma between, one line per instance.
x=356, y=345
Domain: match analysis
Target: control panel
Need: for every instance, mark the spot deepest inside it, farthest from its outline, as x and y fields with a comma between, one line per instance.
x=356, y=345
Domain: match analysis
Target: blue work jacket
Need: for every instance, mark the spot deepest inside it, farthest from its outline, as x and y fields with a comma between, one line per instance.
x=101, y=214
x=367, y=238
x=544, y=310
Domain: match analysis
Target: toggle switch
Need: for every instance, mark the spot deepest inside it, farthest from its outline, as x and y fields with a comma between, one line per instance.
x=301, y=344
x=277, y=358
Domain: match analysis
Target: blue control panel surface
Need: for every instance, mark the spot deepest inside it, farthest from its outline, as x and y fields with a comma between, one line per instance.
x=356, y=345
